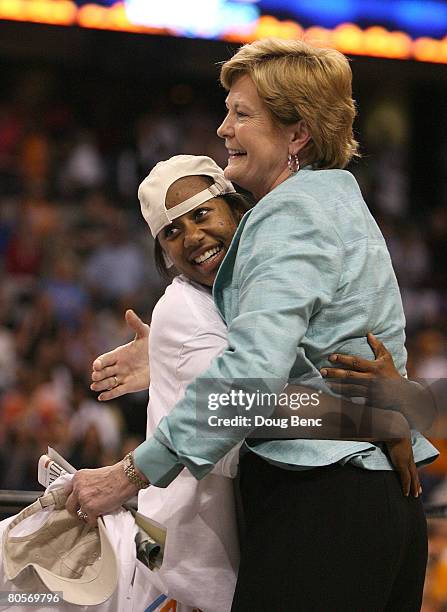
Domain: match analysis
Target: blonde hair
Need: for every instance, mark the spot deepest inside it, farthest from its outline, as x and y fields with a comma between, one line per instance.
x=297, y=81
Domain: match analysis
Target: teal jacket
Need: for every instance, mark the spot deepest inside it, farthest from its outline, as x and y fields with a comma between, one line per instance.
x=307, y=274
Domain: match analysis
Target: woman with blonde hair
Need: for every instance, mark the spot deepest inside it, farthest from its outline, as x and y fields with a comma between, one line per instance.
x=307, y=274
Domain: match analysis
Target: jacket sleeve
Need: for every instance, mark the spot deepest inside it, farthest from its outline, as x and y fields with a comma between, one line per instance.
x=289, y=265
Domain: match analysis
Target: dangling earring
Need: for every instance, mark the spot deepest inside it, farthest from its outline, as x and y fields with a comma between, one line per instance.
x=293, y=163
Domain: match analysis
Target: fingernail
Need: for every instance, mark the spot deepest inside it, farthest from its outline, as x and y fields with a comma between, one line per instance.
x=323, y=372
x=332, y=357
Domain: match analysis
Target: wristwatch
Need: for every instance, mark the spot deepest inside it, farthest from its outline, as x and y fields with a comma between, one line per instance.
x=131, y=473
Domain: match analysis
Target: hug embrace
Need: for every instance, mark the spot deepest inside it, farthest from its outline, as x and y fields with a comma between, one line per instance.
x=302, y=275
x=266, y=291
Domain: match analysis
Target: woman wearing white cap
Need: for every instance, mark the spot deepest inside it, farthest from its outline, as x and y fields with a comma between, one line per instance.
x=193, y=212
x=307, y=274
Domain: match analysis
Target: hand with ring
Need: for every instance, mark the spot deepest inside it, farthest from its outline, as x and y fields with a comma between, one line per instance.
x=115, y=383
x=92, y=493
x=126, y=368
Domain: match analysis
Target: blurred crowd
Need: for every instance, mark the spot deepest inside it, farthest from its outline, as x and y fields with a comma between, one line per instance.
x=75, y=254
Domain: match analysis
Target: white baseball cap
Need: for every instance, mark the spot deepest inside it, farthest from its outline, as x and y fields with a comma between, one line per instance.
x=64, y=553
x=152, y=191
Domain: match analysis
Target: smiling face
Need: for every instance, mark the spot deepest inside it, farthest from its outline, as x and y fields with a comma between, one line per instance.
x=258, y=147
x=197, y=241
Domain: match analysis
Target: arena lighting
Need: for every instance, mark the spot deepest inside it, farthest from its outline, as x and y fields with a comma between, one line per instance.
x=416, y=17
x=193, y=18
x=348, y=37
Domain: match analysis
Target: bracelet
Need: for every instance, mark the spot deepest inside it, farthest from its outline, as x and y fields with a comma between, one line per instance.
x=131, y=473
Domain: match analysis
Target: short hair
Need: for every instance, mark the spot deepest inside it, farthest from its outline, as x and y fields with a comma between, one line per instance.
x=234, y=200
x=298, y=81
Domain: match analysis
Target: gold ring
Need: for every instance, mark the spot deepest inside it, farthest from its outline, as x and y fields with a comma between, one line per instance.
x=81, y=515
x=115, y=383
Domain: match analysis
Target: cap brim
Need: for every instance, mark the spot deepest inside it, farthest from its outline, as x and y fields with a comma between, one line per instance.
x=86, y=592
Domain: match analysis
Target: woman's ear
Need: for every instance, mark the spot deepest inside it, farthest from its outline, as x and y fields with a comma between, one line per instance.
x=299, y=137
